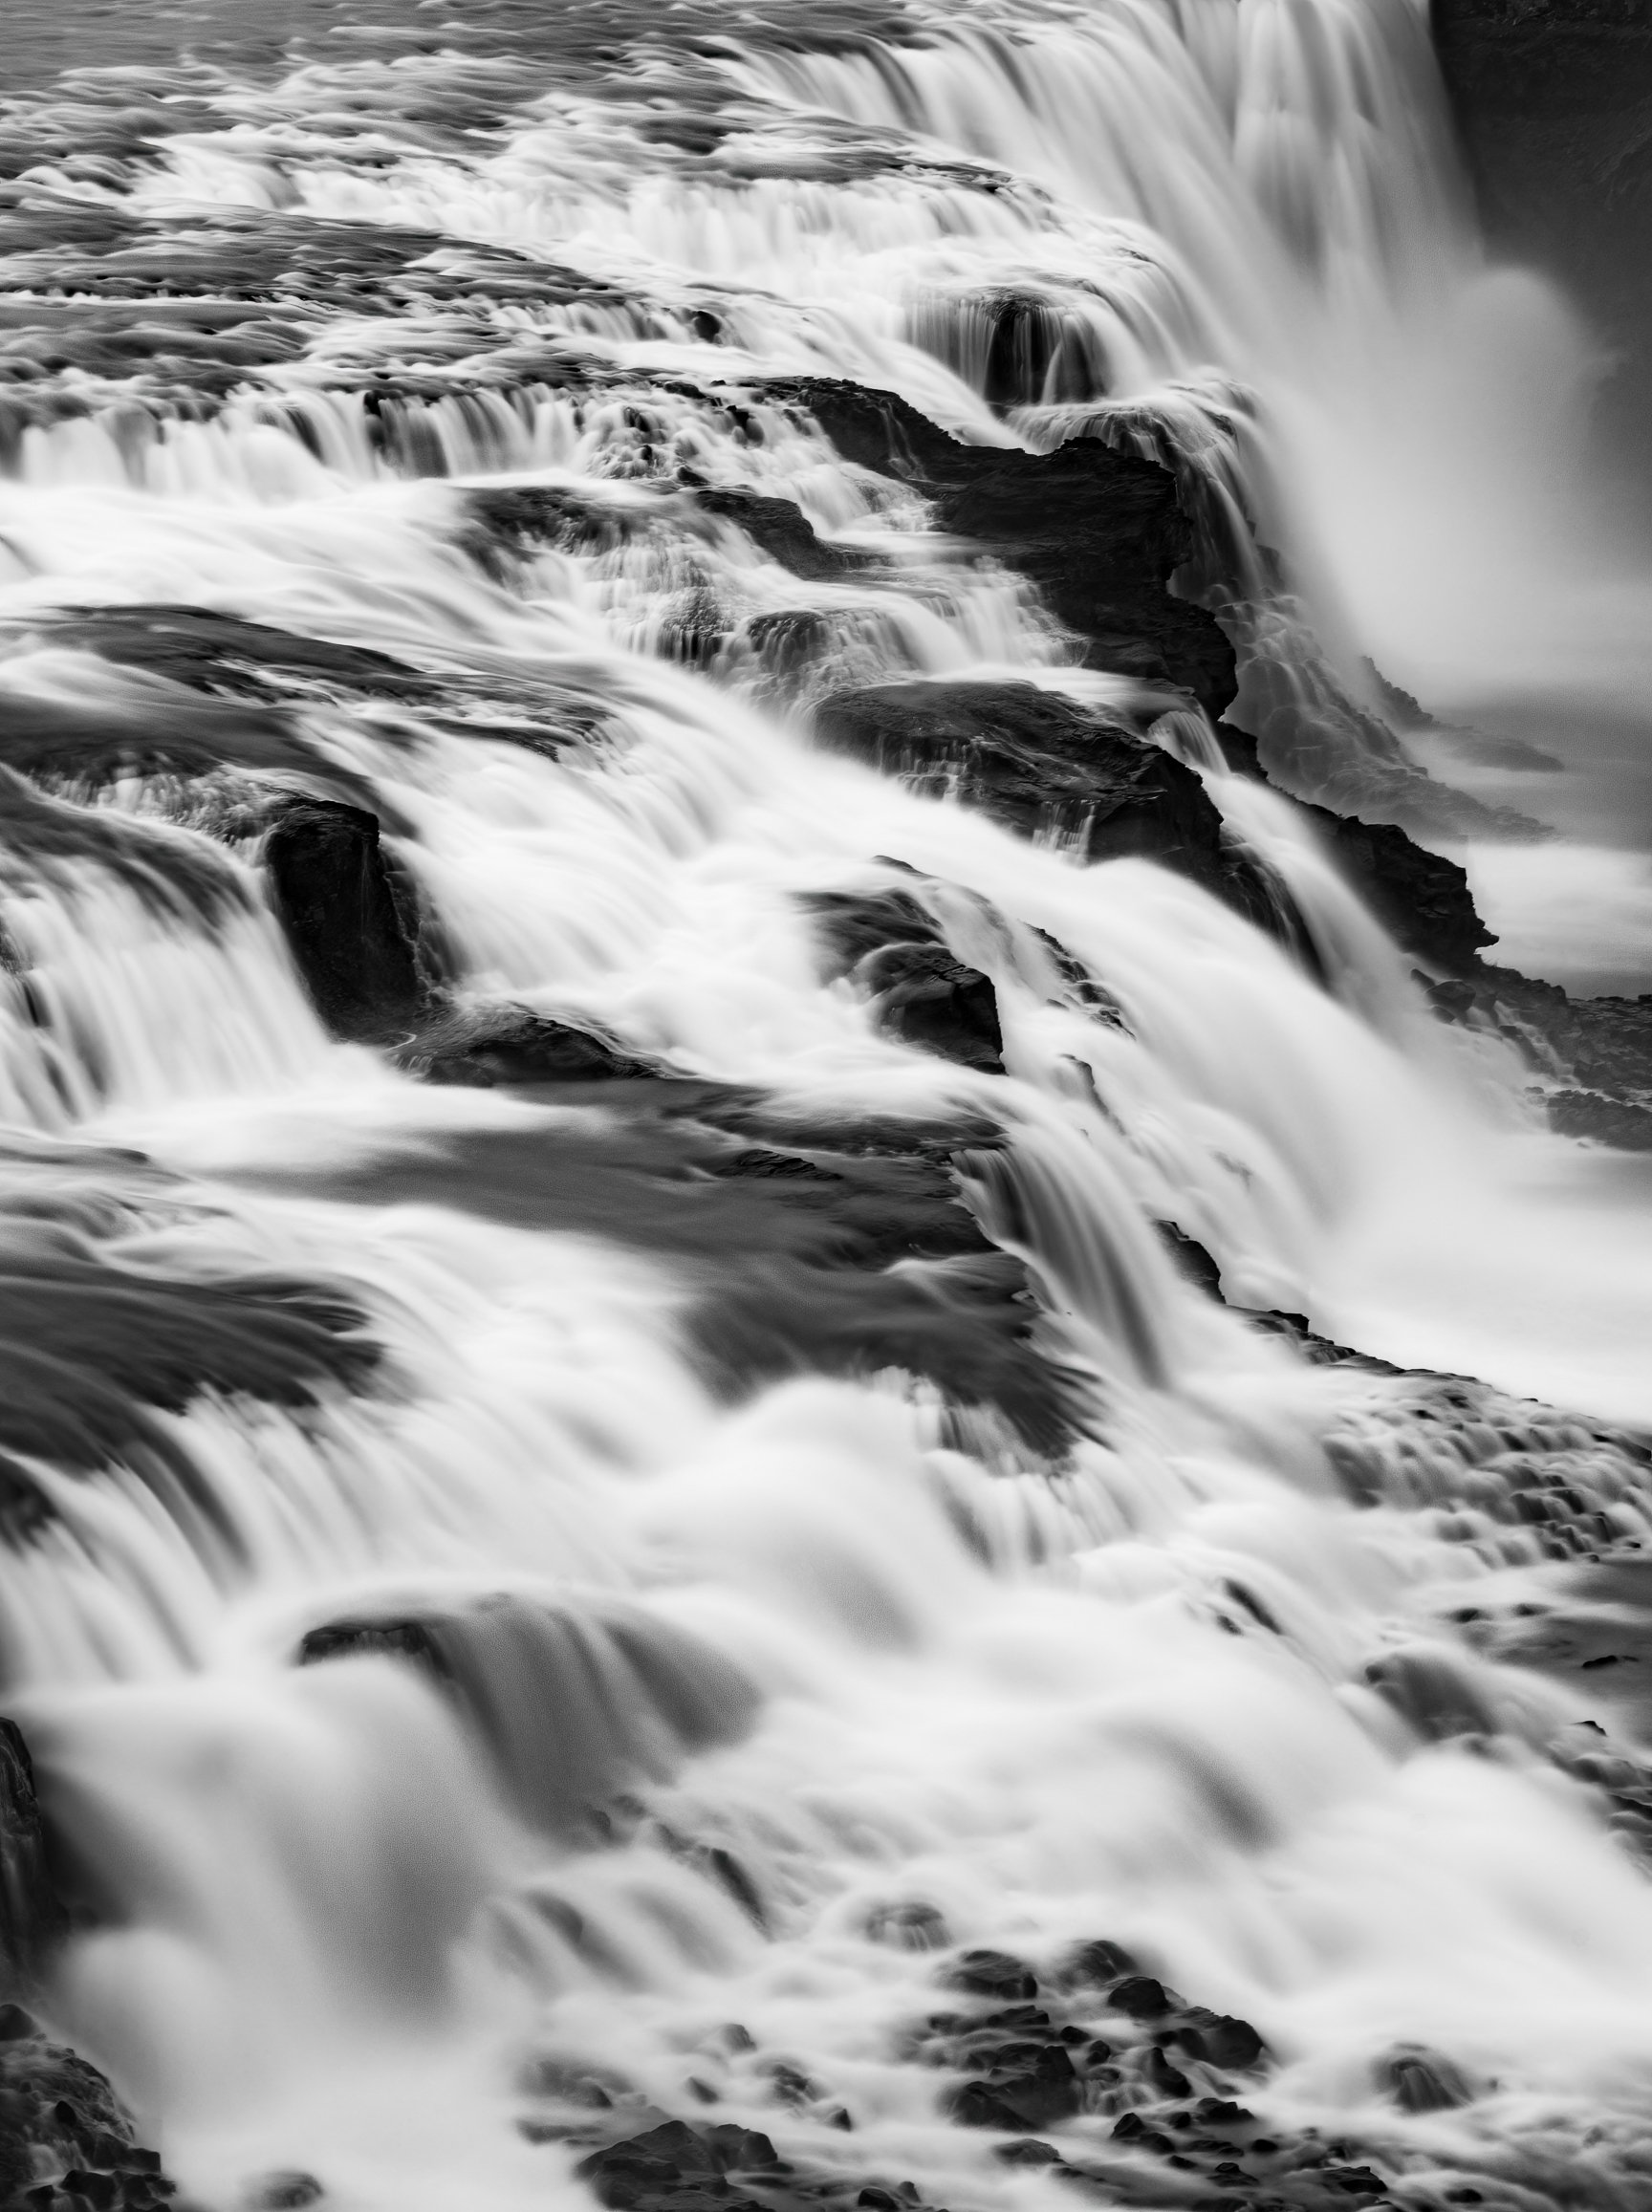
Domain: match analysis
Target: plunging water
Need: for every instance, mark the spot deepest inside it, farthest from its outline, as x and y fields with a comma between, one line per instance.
x=528, y=1601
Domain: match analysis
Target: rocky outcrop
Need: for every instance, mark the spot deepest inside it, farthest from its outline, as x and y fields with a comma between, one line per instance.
x=1099, y=531
x=1554, y=100
x=350, y=925
x=891, y=948
x=479, y=1047
x=66, y=2142
x=1041, y=764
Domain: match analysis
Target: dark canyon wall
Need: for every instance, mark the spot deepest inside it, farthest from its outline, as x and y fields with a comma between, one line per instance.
x=1554, y=99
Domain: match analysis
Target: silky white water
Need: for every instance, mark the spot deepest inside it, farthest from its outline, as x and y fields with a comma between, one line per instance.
x=331, y=1927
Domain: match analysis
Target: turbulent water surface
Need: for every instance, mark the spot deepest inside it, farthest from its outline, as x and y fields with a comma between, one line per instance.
x=644, y=1399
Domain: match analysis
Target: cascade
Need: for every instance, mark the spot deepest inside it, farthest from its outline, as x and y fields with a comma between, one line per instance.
x=805, y=1395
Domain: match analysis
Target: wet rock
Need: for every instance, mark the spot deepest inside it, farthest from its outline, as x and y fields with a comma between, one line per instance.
x=1599, y=1120
x=1097, y=531
x=43, y=837
x=930, y=1000
x=1434, y=1692
x=214, y=652
x=283, y=2192
x=888, y=944
x=576, y=1702
x=1098, y=1964
x=1028, y=2152
x=91, y=1352
x=993, y=1974
x=908, y=1927
x=794, y=1239
x=781, y=530
x=1551, y=98
x=351, y=926
x=31, y=1916
x=1043, y=765
x=65, y=2139
x=1421, y=2081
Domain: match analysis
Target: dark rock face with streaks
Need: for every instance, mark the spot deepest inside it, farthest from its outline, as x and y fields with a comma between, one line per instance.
x=1554, y=99
x=1040, y=763
x=66, y=2142
x=353, y=936
x=889, y=945
x=1099, y=531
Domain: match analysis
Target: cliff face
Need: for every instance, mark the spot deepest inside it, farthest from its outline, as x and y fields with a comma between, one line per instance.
x=1554, y=99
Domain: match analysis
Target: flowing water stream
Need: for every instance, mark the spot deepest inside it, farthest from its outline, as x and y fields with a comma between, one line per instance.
x=783, y=1616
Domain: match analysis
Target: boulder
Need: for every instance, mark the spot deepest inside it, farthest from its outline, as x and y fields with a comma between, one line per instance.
x=1552, y=99
x=350, y=924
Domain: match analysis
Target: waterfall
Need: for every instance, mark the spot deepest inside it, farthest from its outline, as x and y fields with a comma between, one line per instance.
x=743, y=1294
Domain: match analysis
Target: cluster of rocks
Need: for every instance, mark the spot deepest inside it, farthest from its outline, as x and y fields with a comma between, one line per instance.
x=66, y=2142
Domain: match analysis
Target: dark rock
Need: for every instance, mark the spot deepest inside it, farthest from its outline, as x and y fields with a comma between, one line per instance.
x=1597, y=1120
x=793, y=1239
x=90, y=1351
x=1097, y=531
x=1099, y=1963
x=351, y=927
x=1434, y=1693
x=930, y=1000
x=781, y=530
x=1028, y=2152
x=1552, y=98
x=993, y=1974
x=31, y=1917
x=1218, y=2038
x=283, y=2192
x=1041, y=764
x=892, y=948
x=1165, y=2079
x=1192, y=1260
x=673, y=2164
x=576, y=1702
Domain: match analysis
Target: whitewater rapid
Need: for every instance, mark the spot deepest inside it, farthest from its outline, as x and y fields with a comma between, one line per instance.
x=762, y=1648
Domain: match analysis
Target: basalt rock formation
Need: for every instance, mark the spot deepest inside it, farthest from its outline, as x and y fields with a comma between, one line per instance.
x=1099, y=533
x=1554, y=100
x=1040, y=763
x=65, y=2139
